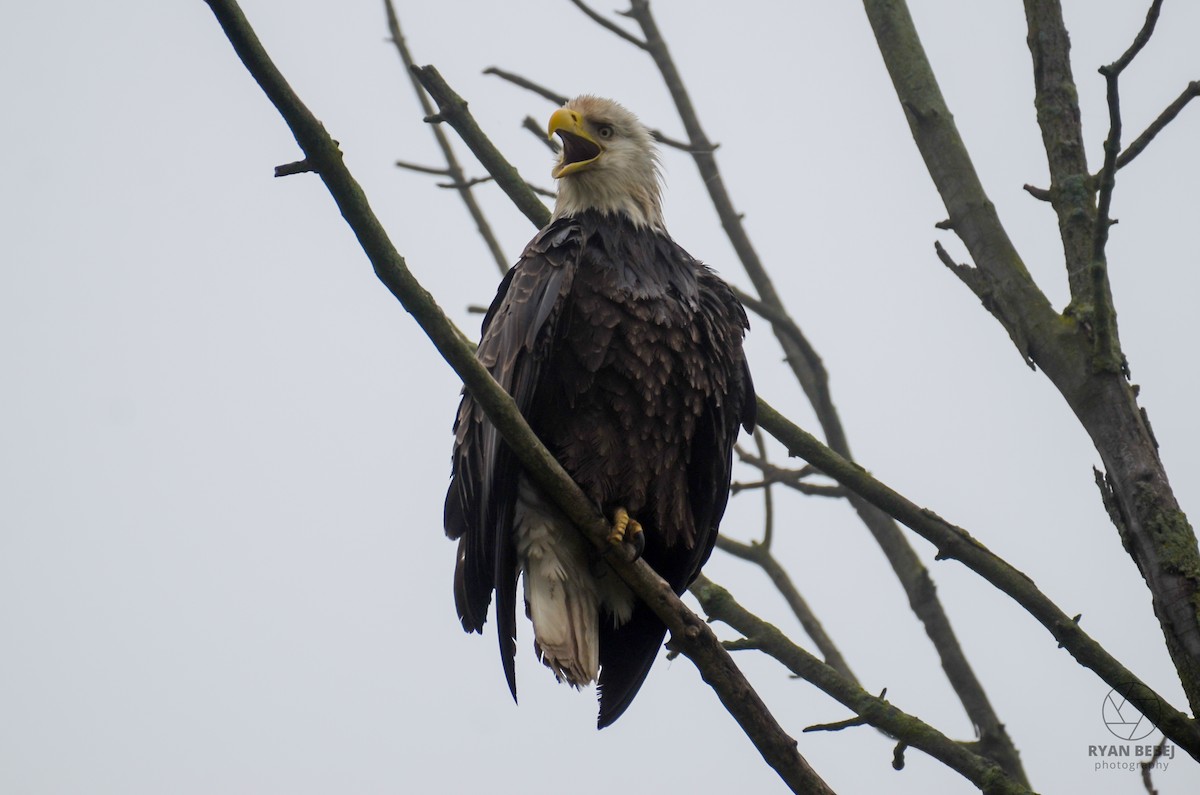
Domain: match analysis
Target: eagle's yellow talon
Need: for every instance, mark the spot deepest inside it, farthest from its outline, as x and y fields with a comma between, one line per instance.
x=624, y=528
x=620, y=523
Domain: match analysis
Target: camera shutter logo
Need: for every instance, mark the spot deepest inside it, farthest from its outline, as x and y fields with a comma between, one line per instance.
x=1122, y=716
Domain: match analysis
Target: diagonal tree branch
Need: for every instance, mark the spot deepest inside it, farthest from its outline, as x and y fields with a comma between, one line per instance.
x=453, y=169
x=528, y=85
x=1166, y=117
x=529, y=123
x=420, y=169
x=792, y=478
x=689, y=633
x=760, y=555
x=452, y=109
x=1000, y=278
x=984, y=773
x=954, y=543
x=609, y=25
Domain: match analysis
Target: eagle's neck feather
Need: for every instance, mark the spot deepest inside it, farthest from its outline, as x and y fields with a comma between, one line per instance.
x=606, y=192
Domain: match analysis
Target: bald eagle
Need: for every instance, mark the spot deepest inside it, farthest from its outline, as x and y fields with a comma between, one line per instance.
x=625, y=355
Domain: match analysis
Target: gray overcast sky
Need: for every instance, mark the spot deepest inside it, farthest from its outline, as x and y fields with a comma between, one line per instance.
x=223, y=445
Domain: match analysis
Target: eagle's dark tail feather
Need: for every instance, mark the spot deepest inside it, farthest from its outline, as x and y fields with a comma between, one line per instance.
x=626, y=654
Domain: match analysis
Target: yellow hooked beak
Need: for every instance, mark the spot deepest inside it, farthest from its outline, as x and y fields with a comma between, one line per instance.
x=579, y=148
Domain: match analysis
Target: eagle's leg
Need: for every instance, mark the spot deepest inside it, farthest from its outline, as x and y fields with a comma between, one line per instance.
x=627, y=529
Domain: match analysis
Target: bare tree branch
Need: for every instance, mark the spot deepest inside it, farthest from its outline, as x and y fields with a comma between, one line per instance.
x=452, y=109
x=420, y=169
x=768, y=501
x=298, y=167
x=529, y=123
x=609, y=25
x=1147, y=766
x=689, y=633
x=481, y=180
x=1166, y=117
x=954, y=543
x=470, y=183
x=527, y=84
x=792, y=478
x=1041, y=194
x=979, y=770
x=760, y=555
x=1139, y=41
x=1112, y=144
x=1071, y=189
x=1104, y=315
x=849, y=723
x=453, y=169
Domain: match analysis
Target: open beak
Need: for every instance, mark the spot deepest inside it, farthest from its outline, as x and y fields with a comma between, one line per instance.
x=579, y=149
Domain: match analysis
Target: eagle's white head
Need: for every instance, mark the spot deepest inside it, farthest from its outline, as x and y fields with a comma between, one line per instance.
x=608, y=162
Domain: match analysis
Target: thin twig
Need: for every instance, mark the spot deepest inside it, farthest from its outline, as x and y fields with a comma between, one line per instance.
x=608, y=24
x=768, y=504
x=468, y=184
x=562, y=99
x=1166, y=117
x=1139, y=41
x=549, y=194
x=849, y=723
x=481, y=180
x=1041, y=194
x=741, y=644
x=539, y=132
x=298, y=167
x=527, y=84
x=453, y=169
x=760, y=554
x=1112, y=144
x=1147, y=781
x=420, y=169
x=792, y=478
x=787, y=477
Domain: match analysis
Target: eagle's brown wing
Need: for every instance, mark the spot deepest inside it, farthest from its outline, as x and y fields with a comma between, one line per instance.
x=518, y=331
x=628, y=652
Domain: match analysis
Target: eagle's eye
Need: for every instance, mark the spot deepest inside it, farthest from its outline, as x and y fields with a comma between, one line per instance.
x=605, y=131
